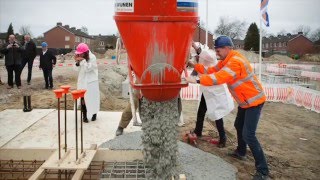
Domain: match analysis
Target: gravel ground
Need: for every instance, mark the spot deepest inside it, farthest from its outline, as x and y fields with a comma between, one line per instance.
x=193, y=162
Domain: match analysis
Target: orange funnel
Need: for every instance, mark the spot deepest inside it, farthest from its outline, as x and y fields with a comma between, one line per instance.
x=157, y=36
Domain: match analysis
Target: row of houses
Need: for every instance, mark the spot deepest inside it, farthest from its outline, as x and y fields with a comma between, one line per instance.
x=65, y=37
x=290, y=44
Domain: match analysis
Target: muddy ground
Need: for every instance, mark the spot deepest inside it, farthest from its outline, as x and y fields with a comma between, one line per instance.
x=289, y=134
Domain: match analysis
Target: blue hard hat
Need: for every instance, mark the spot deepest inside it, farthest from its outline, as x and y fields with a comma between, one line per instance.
x=223, y=41
x=44, y=44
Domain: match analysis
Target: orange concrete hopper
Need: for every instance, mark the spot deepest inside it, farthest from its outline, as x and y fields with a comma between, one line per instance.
x=157, y=36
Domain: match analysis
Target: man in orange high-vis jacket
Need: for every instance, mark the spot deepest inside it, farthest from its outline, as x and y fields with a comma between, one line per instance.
x=235, y=70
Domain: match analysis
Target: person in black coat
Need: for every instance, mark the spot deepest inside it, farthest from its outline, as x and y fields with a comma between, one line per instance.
x=47, y=62
x=12, y=52
x=28, y=55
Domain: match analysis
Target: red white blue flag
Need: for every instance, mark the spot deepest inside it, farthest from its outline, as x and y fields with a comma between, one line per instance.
x=264, y=12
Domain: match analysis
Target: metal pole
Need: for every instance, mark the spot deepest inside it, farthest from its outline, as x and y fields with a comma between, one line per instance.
x=76, y=111
x=65, y=122
x=207, y=17
x=260, y=49
x=59, y=128
x=81, y=125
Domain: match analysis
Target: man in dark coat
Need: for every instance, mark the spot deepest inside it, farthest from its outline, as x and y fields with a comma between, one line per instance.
x=12, y=52
x=47, y=62
x=28, y=55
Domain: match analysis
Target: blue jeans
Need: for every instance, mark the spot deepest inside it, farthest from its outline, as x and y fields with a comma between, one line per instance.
x=246, y=125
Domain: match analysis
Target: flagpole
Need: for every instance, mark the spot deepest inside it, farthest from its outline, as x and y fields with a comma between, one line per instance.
x=207, y=23
x=260, y=48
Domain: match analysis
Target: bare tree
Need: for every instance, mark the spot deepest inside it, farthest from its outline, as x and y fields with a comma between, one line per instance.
x=25, y=30
x=232, y=28
x=304, y=29
x=315, y=35
x=84, y=29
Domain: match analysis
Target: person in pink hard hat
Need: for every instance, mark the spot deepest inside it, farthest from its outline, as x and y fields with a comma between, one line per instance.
x=88, y=79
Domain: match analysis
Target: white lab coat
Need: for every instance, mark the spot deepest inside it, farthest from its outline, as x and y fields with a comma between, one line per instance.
x=218, y=98
x=88, y=80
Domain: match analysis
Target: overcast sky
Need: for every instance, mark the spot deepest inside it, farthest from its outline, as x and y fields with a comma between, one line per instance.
x=97, y=15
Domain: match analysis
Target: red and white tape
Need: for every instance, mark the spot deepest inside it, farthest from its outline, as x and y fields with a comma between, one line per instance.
x=285, y=93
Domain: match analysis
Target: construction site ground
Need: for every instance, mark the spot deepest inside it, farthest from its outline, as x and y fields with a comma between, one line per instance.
x=289, y=134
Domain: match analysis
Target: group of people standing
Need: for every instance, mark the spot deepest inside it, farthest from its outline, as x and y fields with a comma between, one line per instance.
x=18, y=55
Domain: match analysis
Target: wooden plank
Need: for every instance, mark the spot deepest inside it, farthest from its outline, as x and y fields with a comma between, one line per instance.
x=79, y=173
x=69, y=162
x=37, y=174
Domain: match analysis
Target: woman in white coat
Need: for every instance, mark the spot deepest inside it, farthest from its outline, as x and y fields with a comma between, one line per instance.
x=216, y=101
x=88, y=79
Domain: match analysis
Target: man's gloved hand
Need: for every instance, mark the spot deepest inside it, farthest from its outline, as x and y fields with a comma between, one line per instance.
x=211, y=70
x=199, y=68
x=206, y=80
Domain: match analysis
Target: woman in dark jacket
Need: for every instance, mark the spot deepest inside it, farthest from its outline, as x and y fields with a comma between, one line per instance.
x=47, y=62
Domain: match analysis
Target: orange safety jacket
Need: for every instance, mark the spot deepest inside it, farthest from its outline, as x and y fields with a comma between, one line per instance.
x=236, y=71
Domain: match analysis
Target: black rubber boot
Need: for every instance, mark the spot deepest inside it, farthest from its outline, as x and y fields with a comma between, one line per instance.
x=94, y=117
x=29, y=103
x=25, y=104
x=84, y=113
x=222, y=142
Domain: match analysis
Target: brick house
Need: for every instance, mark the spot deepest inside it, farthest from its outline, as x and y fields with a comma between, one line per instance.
x=283, y=44
x=238, y=43
x=101, y=43
x=317, y=46
x=200, y=36
x=289, y=44
x=66, y=37
x=300, y=45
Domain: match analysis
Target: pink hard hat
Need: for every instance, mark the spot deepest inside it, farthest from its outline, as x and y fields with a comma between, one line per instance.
x=82, y=48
